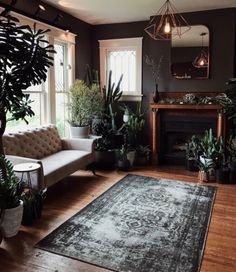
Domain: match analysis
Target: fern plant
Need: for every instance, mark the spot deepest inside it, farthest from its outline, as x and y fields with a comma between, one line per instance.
x=10, y=187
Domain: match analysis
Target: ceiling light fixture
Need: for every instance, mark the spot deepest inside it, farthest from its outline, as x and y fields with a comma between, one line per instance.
x=201, y=61
x=39, y=9
x=160, y=25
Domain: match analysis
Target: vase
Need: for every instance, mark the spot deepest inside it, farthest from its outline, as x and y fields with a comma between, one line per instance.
x=156, y=95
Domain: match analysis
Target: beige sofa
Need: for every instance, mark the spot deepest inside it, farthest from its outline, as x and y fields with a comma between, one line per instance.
x=58, y=157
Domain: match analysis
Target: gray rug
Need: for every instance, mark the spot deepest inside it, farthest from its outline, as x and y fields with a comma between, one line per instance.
x=139, y=224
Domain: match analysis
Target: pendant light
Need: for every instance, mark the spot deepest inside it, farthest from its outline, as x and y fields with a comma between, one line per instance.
x=167, y=17
x=201, y=61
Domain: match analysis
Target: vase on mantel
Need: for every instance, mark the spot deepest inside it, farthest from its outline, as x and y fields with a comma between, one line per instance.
x=156, y=96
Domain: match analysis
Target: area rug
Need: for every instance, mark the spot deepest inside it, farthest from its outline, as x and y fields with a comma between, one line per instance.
x=140, y=224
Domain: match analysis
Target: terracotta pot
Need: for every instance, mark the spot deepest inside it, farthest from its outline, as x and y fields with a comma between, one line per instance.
x=203, y=176
x=11, y=220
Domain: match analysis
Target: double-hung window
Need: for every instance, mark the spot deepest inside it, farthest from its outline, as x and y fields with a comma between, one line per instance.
x=50, y=98
x=123, y=56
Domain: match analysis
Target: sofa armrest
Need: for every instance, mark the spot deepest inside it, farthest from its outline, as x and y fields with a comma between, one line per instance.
x=78, y=144
x=39, y=183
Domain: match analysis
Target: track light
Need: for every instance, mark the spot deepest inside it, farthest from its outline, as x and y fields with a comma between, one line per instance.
x=39, y=9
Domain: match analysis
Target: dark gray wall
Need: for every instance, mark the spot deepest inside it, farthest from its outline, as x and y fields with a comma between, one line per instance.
x=221, y=24
x=83, y=52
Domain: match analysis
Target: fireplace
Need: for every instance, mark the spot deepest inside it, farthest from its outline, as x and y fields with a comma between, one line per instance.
x=176, y=131
x=173, y=125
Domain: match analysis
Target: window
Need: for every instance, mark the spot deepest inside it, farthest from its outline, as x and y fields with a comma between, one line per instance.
x=50, y=98
x=123, y=56
x=61, y=86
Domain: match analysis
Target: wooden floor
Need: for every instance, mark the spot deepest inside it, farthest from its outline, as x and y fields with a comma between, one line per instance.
x=68, y=197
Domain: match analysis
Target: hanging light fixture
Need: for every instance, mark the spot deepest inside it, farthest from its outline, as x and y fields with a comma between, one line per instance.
x=201, y=61
x=167, y=17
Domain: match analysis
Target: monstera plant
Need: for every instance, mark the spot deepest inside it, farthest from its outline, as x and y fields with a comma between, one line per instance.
x=24, y=59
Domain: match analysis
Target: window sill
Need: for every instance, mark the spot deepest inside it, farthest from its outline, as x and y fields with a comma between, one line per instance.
x=131, y=97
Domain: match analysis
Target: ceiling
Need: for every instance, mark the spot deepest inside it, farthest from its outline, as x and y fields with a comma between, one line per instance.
x=113, y=11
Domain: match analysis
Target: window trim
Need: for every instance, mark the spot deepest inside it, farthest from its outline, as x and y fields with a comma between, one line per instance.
x=128, y=43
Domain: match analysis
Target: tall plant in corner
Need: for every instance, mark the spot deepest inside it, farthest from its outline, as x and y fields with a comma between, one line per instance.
x=24, y=59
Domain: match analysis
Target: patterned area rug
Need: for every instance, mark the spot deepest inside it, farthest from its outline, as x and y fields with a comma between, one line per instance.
x=139, y=224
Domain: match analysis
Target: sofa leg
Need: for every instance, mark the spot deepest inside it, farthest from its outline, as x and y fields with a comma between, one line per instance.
x=92, y=168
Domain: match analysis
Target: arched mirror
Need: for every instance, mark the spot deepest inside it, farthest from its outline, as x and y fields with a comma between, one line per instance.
x=190, y=53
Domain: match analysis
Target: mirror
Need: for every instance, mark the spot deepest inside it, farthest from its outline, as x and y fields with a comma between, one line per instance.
x=190, y=53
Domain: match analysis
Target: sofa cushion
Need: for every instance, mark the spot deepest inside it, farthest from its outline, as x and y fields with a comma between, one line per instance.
x=61, y=164
x=35, y=143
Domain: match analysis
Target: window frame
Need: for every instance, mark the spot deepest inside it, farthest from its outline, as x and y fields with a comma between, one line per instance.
x=48, y=93
x=134, y=44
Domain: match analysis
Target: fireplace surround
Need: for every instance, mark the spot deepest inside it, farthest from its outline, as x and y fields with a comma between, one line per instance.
x=173, y=124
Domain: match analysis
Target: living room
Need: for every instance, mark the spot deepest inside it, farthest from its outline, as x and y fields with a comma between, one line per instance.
x=117, y=125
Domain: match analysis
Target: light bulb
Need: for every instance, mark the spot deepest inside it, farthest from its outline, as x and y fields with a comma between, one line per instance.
x=167, y=28
x=202, y=62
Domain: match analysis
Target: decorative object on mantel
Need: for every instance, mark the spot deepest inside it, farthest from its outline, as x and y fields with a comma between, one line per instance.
x=139, y=224
x=167, y=17
x=220, y=99
x=155, y=67
x=201, y=61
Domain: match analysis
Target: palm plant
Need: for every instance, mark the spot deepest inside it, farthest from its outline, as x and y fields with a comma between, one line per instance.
x=24, y=59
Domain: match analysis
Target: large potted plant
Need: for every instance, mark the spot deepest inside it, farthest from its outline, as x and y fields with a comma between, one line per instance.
x=11, y=204
x=24, y=59
x=84, y=103
x=110, y=138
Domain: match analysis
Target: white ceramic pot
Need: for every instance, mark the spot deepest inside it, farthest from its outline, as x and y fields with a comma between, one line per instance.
x=11, y=220
x=79, y=132
x=131, y=157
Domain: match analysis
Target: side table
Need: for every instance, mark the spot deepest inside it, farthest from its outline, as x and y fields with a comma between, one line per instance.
x=26, y=168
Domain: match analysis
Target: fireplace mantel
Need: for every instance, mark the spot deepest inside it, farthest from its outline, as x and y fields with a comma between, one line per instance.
x=181, y=109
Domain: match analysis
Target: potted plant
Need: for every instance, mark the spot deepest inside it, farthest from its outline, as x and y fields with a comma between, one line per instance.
x=132, y=130
x=204, y=168
x=210, y=149
x=84, y=103
x=222, y=170
x=33, y=204
x=192, y=149
x=232, y=158
x=142, y=155
x=11, y=204
x=25, y=58
x=123, y=162
x=110, y=138
x=155, y=67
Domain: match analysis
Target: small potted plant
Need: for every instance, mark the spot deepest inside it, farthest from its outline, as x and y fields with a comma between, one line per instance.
x=84, y=103
x=192, y=149
x=11, y=205
x=222, y=170
x=210, y=149
x=33, y=205
x=232, y=158
x=123, y=162
x=142, y=155
x=204, y=170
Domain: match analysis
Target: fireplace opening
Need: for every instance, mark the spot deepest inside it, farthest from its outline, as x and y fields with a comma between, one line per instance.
x=176, y=132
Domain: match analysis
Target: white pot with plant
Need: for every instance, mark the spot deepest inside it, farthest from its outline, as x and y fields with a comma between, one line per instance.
x=11, y=204
x=84, y=103
x=210, y=149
